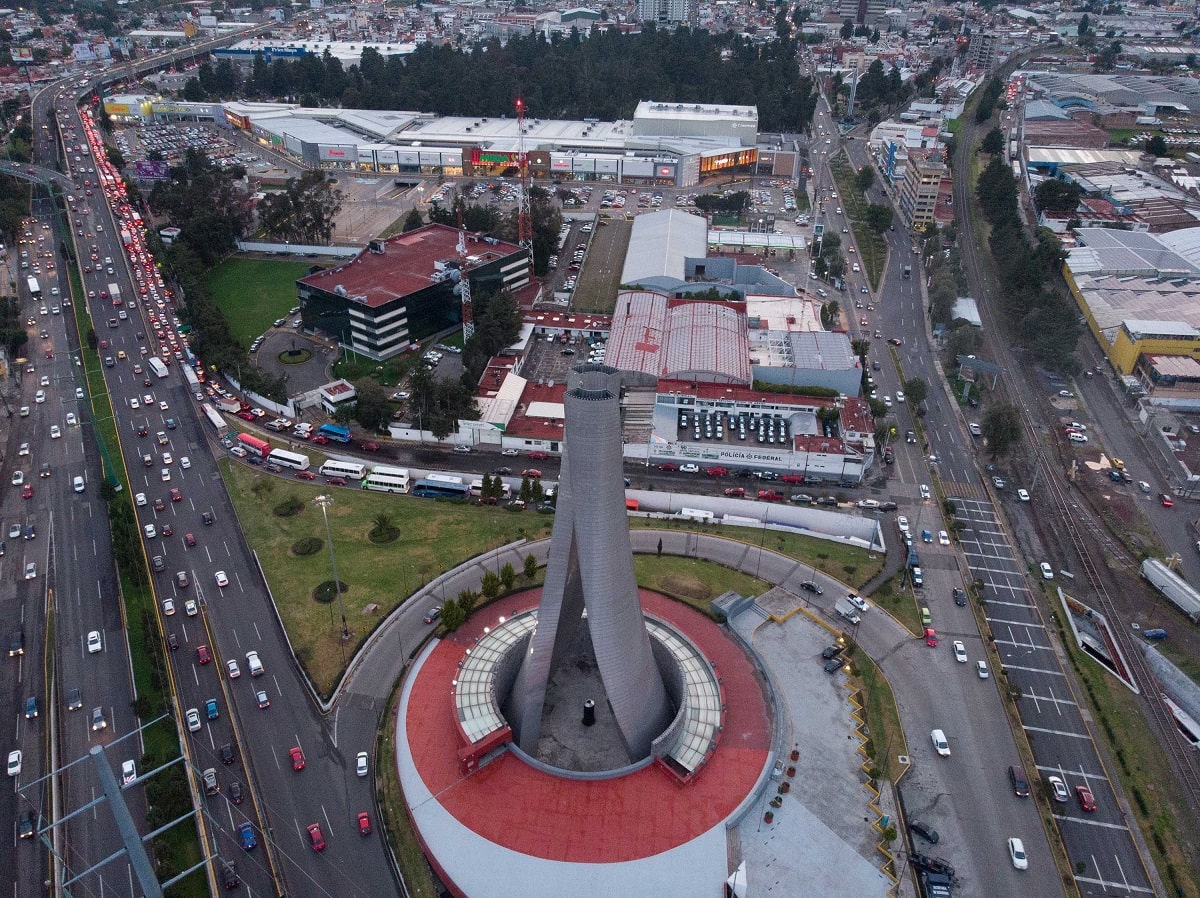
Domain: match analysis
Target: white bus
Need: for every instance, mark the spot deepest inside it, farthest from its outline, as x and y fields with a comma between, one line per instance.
x=476, y=489
x=387, y=480
x=349, y=470
x=286, y=459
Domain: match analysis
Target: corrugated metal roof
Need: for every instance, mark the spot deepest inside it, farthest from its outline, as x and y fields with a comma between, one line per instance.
x=660, y=242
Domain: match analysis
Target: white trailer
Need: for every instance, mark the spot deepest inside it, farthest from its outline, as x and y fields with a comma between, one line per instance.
x=847, y=611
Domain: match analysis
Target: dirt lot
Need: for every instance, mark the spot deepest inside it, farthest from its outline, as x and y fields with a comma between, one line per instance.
x=601, y=274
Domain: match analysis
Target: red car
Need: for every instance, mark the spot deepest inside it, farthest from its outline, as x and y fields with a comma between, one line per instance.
x=539, y=455
x=202, y=654
x=668, y=466
x=364, y=824
x=315, y=837
x=931, y=637
x=297, y=758
x=305, y=475
x=176, y=496
x=735, y=491
x=792, y=478
x=1086, y=801
x=336, y=481
x=1167, y=501
x=189, y=540
x=370, y=447
x=716, y=471
x=245, y=416
x=27, y=491
x=531, y=472
x=770, y=496
x=319, y=439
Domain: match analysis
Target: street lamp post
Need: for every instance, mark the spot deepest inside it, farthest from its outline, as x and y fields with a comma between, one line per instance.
x=324, y=502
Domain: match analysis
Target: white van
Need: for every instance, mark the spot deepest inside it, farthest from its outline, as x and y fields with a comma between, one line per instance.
x=254, y=665
x=78, y=484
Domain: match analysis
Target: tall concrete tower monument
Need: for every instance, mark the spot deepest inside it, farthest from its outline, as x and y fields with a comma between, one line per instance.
x=590, y=580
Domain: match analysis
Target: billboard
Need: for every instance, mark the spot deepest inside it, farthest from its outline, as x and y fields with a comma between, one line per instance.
x=22, y=54
x=83, y=52
x=149, y=170
x=117, y=108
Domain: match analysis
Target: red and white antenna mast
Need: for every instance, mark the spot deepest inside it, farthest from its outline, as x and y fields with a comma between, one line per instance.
x=524, y=218
x=464, y=282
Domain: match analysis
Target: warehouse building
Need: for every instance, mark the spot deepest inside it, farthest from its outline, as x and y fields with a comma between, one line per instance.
x=401, y=290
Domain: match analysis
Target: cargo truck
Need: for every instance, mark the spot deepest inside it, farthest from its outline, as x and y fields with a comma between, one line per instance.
x=157, y=366
x=847, y=611
x=228, y=405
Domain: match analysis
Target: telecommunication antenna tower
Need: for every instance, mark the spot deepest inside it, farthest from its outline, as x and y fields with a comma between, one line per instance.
x=524, y=218
x=464, y=283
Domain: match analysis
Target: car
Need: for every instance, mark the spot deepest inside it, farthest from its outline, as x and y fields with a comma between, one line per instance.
x=1167, y=501
x=150, y=531
x=931, y=639
x=1076, y=437
x=14, y=762
x=72, y=420
x=159, y=504
x=960, y=651
x=364, y=823
x=18, y=478
x=31, y=707
x=193, y=720
x=232, y=666
x=211, y=711
x=899, y=395
x=858, y=602
x=99, y=720
x=190, y=608
x=926, y=536
x=168, y=605
x=74, y=698
x=14, y=530
x=735, y=491
x=246, y=835
x=1016, y=848
x=222, y=579
x=305, y=475
x=943, y=538
x=1058, y=789
x=998, y=482
x=508, y=452
x=532, y=473
x=254, y=664
x=689, y=468
x=902, y=523
x=1023, y=495
x=1086, y=800
x=360, y=763
x=433, y=614
x=925, y=831
x=172, y=642
x=1066, y=394
x=128, y=772
x=668, y=466
x=940, y=745
x=981, y=669
x=189, y=540
x=297, y=757
x=461, y=448
x=39, y=397
x=831, y=651
x=1143, y=486
x=812, y=586
x=315, y=838
x=263, y=700
x=539, y=455
x=44, y=469
x=960, y=596
x=94, y=643
x=24, y=449
x=31, y=570
x=228, y=754
x=1047, y=571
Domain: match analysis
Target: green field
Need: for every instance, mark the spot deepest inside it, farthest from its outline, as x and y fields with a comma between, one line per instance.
x=252, y=293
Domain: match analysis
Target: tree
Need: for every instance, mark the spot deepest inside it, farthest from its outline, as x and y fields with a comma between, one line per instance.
x=412, y=221
x=915, y=389
x=865, y=178
x=304, y=211
x=993, y=142
x=531, y=567
x=1057, y=195
x=879, y=217
x=847, y=30
x=372, y=408
x=1002, y=429
x=1156, y=146
x=453, y=616
x=467, y=600
x=489, y=585
x=508, y=576
x=1085, y=23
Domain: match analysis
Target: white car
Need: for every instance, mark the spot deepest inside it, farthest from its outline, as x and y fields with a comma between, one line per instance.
x=185, y=462
x=140, y=499
x=1023, y=495
x=162, y=405
x=887, y=400
x=55, y=432
x=1016, y=848
x=1058, y=789
x=167, y=458
x=1076, y=437
x=981, y=668
x=940, y=745
x=960, y=652
x=128, y=772
x=24, y=450
x=1047, y=571
x=31, y=570
x=150, y=531
x=943, y=538
x=14, y=762
x=222, y=580
x=94, y=643
x=234, y=670
x=976, y=430
x=72, y=421
x=18, y=478
x=190, y=608
x=899, y=395
x=193, y=720
x=134, y=404
x=39, y=397
x=168, y=607
x=689, y=468
x=360, y=764
x=858, y=602
x=902, y=523
x=924, y=491
x=508, y=452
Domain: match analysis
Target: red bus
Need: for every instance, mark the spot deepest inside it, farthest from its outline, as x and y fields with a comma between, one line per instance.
x=259, y=447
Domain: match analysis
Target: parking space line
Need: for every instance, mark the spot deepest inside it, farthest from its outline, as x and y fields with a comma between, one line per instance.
x=1049, y=732
x=1089, y=821
x=1039, y=700
x=1015, y=623
x=1105, y=884
x=1040, y=670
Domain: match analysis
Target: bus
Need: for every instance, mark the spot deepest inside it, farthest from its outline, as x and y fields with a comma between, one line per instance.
x=215, y=419
x=35, y=289
x=349, y=470
x=261, y=448
x=387, y=480
x=286, y=459
x=439, y=489
x=335, y=433
x=476, y=489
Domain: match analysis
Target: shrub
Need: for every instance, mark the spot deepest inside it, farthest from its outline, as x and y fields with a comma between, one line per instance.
x=289, y=507
x=326, y=592
x=310, y=545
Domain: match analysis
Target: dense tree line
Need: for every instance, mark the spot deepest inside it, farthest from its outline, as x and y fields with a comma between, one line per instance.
x=1045, y=321
x=204, y=201
x=989, y=99
x=544, y=216
x=603, y=75
x=303, y=212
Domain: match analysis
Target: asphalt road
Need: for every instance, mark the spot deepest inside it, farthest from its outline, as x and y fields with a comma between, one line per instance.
x=231, y=622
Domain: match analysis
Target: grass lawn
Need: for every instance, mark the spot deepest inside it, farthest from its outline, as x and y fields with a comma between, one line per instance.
x=883, y=718
x=435, y=537
x=872, y=249
x=252, y=293
x=693, y=581
x=601, y=274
